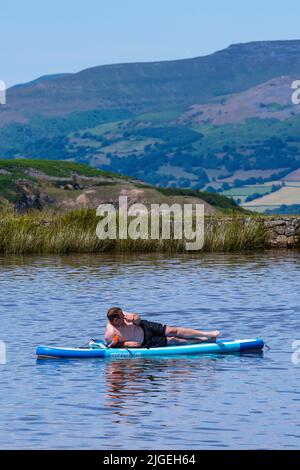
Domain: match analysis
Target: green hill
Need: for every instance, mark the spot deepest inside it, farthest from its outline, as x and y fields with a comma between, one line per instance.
x=62, y=186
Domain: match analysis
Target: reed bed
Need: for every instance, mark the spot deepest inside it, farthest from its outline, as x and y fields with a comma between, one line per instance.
x=75, y=232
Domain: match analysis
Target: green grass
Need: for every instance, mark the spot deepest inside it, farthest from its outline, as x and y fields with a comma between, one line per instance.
x=250, y=131
x=53, y=168
x=75, y=232
x=107, y=127
x=159, y=117
x=235, y=234
x=172, y=135
x=7, y=187
x=127, y=146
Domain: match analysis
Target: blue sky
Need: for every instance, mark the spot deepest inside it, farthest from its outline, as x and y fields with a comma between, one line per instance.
x=43, y=37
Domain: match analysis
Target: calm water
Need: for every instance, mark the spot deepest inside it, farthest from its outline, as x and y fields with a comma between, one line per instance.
x=249, y=401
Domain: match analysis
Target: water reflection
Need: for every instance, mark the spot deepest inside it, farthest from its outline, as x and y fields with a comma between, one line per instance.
x=129, y=379
x=89, y=262
x=228, y=401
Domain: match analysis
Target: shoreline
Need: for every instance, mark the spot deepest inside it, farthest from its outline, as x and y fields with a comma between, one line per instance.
x=75, y=232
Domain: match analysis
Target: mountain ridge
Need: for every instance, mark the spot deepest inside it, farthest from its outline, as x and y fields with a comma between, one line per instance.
x=231, y=47
x=153, y=85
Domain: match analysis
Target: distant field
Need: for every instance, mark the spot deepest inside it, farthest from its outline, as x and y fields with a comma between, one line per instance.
x=86, y=143
x=158, y=117
x=128, y=146
x=286, y=195
x=240, y=194
x=107, y=127
x=176, y=171
x=289, y=194
x=247, y=191
x=251, y=131
x=261, y=209
x=244, y=175
x=293, y=176
x=292, y=184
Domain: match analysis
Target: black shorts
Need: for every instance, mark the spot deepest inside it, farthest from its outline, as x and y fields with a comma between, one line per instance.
x=154, y=334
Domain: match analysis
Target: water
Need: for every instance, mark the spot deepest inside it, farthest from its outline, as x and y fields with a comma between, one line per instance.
x=242, y=402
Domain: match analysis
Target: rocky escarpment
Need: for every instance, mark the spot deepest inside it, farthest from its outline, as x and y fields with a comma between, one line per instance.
x=29, y=196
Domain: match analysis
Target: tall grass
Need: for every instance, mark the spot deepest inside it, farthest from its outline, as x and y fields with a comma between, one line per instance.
x=235, y=234
x=75, y=232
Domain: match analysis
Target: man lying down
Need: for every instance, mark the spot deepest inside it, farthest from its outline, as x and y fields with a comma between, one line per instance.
x=128, y=330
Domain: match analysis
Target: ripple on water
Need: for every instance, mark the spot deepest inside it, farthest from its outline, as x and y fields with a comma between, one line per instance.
x=247, y=401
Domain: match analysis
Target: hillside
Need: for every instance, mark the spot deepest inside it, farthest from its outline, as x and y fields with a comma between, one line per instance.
x=268, y=100
x=217, y=122
x=156, y=85
x=62, y=186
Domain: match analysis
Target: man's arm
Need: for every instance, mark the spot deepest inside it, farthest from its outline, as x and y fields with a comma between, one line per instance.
x=133, y=318
x=111, y=333
x=131, y=344
x=126, y=344
x=108, y=335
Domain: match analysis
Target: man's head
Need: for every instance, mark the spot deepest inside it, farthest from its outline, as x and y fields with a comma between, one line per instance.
x=115, y=316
